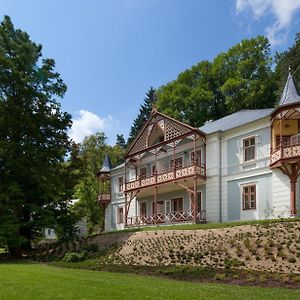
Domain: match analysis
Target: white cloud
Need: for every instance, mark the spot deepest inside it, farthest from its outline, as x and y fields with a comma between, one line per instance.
x=282, y=10
x=86, y=123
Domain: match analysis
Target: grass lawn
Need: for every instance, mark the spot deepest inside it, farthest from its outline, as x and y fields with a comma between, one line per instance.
x=37, y=281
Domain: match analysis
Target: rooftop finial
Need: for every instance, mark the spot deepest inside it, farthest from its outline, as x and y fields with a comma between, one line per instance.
x=290, y=93
x=154, y=109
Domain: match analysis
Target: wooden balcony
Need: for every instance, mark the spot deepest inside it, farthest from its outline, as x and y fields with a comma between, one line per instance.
x=285, y=151
x=167, y=218
x=167, y=176
x=104, y=199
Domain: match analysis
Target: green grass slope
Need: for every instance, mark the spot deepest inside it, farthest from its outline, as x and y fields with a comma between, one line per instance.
x=36, y=281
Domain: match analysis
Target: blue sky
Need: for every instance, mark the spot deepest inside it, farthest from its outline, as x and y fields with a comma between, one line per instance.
x=110, y=52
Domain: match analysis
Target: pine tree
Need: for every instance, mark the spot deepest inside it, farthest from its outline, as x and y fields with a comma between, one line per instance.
x=143, y=115
x=288, y=60
x=121, y=141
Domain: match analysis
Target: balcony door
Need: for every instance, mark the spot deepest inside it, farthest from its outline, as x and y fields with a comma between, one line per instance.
x=143, y=209
x=199, y=200
x=177, y=204
x=160, y=207
x=178, y=162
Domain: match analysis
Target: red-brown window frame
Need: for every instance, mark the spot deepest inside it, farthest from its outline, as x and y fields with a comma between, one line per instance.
x=249, y=193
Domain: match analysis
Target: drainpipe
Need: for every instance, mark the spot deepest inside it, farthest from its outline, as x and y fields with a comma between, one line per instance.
x=220, y=175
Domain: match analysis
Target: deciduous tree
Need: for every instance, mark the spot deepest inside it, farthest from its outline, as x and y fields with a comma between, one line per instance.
x=33, y=139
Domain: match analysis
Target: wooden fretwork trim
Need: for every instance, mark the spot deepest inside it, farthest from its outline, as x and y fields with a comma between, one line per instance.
x=186, y=127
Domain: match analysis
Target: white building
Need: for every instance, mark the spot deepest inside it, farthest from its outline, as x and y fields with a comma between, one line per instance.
x=242, y=167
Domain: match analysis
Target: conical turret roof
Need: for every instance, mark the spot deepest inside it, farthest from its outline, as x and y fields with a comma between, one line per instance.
x=290, y=93
x=106, y=166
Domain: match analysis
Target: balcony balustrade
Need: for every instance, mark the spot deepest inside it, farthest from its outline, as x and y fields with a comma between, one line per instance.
x=167, y=176
x=167, y=218
x=286, y=150
x=104, y=198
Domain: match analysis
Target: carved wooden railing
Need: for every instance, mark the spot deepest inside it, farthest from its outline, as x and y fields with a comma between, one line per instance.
x=104, y=199
x=284, y=150
x=165, y=218
x=167, y=176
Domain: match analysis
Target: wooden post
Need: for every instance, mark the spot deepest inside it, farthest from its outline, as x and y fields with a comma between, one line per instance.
x=139, y=170
x=195, y=198
x=280, y=129
x=204, y=158
x=126, y=212
x=155, y=166
x=155, y=204
x=195, y=158
x=174, y=156
x=293, y=180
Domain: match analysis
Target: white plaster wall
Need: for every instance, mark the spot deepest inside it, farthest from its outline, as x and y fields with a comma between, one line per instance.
x=280, y=193
x=212, y=199
x=107, y=218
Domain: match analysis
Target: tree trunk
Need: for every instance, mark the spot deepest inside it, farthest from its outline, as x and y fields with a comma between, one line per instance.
x=15, y=252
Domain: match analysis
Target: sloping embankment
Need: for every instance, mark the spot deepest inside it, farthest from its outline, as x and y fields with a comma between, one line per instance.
x=269, y=247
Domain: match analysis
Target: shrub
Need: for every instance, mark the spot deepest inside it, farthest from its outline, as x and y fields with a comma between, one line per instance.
x=234, y=262
x=220, y=276
x=296, y=279
x=292, y=260
x=91, y=247
x=74, y=256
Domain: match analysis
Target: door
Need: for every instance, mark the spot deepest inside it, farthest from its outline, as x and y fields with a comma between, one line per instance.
x=160, y=207
x=159, y=212
x=177, y=204
x=178, y=162
x=199, y=201
x=143, y=209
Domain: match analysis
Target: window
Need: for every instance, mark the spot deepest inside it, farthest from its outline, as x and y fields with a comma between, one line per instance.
x=120, y=216
x=249, y=197
x=285, y=140
x=121, y=184
x=153, y=170
x=249, y=148
x=198, y=157
x=178, y=162
x=143, y=173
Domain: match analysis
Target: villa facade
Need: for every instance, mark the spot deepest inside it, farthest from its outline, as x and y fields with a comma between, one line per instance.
x=244, y=166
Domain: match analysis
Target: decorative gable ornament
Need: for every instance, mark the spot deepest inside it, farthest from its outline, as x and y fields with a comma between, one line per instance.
x=158, y=129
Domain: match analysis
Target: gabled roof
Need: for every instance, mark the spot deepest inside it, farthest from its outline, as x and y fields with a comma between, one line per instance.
x=106, y=166
x=290, y=93
x=172, y=129
x=234, y=120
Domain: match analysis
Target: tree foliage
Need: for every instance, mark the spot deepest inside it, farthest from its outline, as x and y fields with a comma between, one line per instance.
x=121, y=141
x=33, y=139
x=240, y=78
x=91, y=154
x=143, y=115
x=289, y=59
